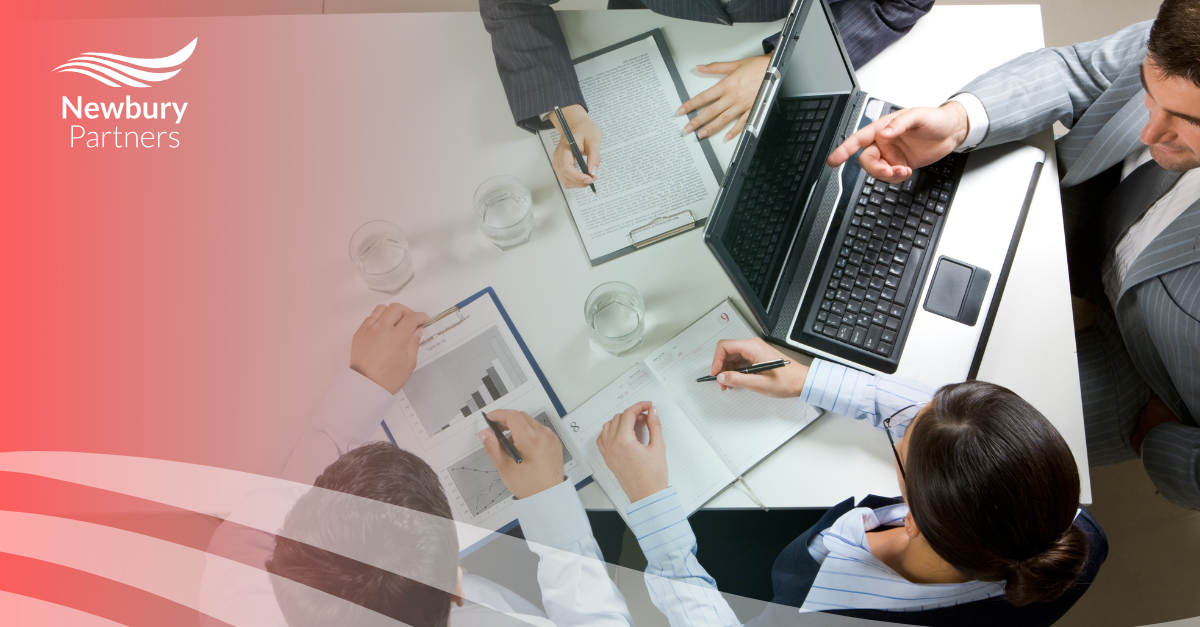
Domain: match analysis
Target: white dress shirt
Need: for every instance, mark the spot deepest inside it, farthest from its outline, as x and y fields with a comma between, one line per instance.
x=571, y=573
x=1116, y=264
x=681, y=588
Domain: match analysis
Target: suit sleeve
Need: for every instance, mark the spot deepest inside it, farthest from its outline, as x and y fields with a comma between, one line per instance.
x=531, y=57
x=1030, y=93
x=869, y=26
x=1171, y=455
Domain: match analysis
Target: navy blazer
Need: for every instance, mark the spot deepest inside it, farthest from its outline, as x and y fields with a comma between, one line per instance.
x=536, y=69
x=795, y=570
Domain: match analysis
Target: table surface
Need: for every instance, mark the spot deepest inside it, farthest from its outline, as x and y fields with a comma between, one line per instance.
x=379, y=153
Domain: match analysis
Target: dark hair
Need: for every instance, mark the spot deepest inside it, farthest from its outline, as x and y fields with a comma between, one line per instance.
x=415, y=537
x=1174, y=44
x=994, y=489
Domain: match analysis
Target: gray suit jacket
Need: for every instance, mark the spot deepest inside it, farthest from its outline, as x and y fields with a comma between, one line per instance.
x=1095, y=89
x=536, y=69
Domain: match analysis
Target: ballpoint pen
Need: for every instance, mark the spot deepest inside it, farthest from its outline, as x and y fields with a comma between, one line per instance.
x=753, y=368
x=512, y=450
x=562, y=121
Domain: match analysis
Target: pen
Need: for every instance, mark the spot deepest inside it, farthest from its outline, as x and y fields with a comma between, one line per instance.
x=562, y=121
x=753, y=368
x=512, y=450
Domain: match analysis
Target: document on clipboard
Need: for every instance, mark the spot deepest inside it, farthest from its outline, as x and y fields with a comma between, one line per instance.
x=654, y=182
x=472, y=360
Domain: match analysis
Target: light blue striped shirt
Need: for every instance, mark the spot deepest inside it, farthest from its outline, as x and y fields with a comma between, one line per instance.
x=681, y=588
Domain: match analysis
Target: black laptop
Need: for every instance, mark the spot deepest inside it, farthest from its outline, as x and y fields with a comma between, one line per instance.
x=885, y=277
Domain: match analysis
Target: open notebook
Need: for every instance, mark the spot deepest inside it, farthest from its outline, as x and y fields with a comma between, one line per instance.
x=712, y=437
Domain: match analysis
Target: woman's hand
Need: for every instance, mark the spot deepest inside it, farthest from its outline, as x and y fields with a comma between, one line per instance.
x=641, y=469
x=785, y=382
x=728, y=100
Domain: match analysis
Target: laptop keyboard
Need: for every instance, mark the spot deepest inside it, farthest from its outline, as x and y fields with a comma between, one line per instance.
x=885, y=248
x=758, y=238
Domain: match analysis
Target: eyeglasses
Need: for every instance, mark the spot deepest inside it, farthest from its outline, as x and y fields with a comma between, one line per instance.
x=887, y=428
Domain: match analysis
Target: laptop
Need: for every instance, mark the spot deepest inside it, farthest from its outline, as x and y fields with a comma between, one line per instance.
x=903, y=278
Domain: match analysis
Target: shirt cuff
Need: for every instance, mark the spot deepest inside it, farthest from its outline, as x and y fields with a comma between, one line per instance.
x=835, y=387
x=977, y=121
x=660, y=524
x=353, y=406
x=554, y=517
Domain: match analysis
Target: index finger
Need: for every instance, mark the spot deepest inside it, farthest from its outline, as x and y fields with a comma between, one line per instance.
x=566, y=168
x=411, y=322
x=859, y=140
x=727, y=349
x=393, y=314
x=629, y=418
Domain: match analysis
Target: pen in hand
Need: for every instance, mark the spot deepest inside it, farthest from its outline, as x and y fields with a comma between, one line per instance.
x=753, y=368
x=562, y=121
x=508, y=446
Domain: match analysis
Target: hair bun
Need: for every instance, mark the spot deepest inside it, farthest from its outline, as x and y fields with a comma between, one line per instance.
x=1049, y=574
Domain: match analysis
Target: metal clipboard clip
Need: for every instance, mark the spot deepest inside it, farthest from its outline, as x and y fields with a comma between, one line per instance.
x=453, y=310
x=660, y=229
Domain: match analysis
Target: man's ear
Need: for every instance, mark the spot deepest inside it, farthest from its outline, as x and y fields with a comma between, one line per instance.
x=458, y=598
x=910, y=527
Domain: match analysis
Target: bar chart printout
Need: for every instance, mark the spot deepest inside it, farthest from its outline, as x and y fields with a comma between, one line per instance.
x=478, y=481
x=466, y=378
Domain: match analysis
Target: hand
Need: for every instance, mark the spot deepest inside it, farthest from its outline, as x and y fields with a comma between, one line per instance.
x=641, y=469
x=785, y=382
x=1155, y=413
x=587, y=139
x=896, y=143
x=728, y=100
x=541, y=466
x=384, y=348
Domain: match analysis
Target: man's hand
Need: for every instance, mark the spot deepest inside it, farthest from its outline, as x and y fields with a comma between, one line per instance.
x=897, y=143
x=541, y=466
x=785, y=382
x=1155, y=413
x=384, y=348
x=587, y=139
x=728, y=100
x=641, y=469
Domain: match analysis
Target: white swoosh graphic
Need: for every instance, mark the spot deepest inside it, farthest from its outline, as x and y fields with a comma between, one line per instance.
x=120, y=69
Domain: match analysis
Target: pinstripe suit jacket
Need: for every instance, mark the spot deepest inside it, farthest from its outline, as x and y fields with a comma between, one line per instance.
x=536, y=69
x=1095, y=89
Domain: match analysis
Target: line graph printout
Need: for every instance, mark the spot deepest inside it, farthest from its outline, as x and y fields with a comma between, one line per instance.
x=712, y=437
x=469, y=363
x=477, y=481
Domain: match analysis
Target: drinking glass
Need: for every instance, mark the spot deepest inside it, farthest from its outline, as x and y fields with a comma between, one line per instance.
x=380, y=252
x=616, y=317
x=502, y=206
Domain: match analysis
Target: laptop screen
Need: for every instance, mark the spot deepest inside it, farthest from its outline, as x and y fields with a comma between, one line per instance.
x=815, y=64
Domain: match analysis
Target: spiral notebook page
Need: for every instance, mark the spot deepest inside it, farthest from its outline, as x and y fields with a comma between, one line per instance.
x=741, y=426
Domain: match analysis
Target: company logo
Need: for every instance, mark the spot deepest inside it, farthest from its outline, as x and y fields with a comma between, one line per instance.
x=118, y=68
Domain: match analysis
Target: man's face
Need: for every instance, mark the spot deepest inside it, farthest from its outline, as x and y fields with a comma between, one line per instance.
x=1173, y=132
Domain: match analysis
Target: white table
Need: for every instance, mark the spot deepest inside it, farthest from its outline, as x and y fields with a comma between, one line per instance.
x=332, y=121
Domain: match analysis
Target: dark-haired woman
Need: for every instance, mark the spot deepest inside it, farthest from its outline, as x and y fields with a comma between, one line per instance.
x=988, y=529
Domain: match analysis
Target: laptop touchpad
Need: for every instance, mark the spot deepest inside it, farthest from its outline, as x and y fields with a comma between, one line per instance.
x=957, y=291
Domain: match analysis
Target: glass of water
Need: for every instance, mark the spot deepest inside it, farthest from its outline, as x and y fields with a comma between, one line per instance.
x=616, y=317
x=502, y=205
x=380, y=252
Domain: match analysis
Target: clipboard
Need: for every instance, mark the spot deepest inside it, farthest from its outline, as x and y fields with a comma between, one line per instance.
x=661, y=227
x=451, y=318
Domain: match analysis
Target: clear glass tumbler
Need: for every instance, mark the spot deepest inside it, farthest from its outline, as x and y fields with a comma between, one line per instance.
x=616, y=317
x=502, y=206
x=380, y=252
